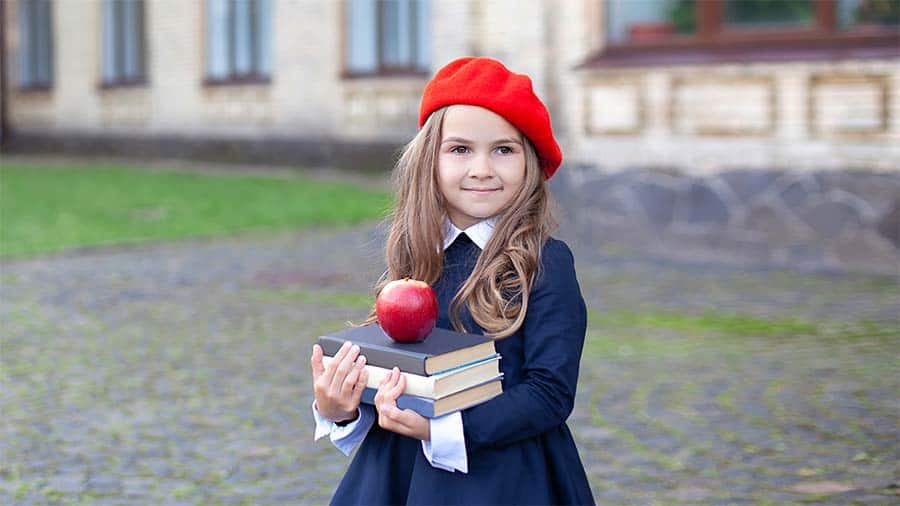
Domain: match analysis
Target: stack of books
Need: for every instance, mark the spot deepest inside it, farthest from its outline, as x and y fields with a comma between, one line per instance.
x=446, y=372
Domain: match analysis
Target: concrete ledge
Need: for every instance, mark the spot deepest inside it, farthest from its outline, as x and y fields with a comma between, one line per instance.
x=358, y=156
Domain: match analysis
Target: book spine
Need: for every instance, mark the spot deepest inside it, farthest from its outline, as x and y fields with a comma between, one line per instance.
x=378, y=356
x=420, y=405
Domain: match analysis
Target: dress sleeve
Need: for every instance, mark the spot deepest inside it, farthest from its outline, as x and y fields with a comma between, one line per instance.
x=345, y=438
x=553, y=333
x=447, y=449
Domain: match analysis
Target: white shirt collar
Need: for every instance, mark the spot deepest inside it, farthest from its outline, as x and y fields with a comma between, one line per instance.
x=479, y=233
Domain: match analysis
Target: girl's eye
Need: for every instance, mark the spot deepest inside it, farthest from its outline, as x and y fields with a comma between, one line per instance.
x=505, y=150
x=458, y=149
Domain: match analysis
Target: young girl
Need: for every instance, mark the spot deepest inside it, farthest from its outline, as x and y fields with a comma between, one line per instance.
x=473, y=219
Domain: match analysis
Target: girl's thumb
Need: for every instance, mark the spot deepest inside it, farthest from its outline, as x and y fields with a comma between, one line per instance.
x=316, y=361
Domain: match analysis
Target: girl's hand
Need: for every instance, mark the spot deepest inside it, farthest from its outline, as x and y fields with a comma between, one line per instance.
x=402, y=421
x=339, y=386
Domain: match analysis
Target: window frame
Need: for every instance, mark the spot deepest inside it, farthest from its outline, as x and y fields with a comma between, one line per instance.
x=382, y=69
x=253, y=77
x=717, y=42
x=120, y=81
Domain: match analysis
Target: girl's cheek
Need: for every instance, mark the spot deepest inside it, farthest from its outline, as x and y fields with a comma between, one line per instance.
x=513, y=164
x=448, y=158
x=450, y=163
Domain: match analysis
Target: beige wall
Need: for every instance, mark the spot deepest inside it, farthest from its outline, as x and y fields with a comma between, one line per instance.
x=813, y=116
x=699, y=119
x=302, y=98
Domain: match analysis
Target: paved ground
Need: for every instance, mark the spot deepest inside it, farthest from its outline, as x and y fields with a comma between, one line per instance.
x=178, y=374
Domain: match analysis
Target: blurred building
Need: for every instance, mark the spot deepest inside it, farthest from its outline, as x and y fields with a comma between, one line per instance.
x=766, y=128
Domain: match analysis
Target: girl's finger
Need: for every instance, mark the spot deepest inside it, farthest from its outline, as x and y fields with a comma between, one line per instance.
x=328, y=377
x=351, y=380
x=363, y=378
x=385, y=387
x=361, y=382
x=382, y=397
x=379, y=394
x=394, y=377
x=396, y=389
x=344, y=368
x=384, y=380
x=316, y=362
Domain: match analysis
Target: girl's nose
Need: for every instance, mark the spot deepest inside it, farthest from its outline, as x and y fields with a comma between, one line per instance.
x=481, y=167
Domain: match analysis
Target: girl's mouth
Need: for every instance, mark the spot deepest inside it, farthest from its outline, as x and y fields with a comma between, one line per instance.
x=481, y=191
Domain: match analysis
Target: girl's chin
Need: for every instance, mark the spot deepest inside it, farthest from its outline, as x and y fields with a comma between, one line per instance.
x=466, y=221
x=482, y=210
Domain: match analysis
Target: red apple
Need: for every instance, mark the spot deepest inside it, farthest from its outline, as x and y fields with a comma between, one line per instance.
x=407, y=309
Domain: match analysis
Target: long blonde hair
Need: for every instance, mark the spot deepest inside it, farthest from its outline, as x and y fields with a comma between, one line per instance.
x=496, y=292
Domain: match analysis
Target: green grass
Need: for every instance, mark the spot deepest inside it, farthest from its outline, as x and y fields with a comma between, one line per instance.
x=46, y=210
x=724, y=323
x=656, y=332
x=711, y=321
x=344, y=300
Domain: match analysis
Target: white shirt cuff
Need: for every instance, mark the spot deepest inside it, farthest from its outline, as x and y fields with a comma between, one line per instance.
x=347, y=437
x=447, y=448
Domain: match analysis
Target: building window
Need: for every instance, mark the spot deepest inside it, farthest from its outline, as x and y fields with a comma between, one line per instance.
x=662, y=32
x=36, y=44
x=867, y=14
x=716, y=21
x=768, y=13
x=387, y=37
x=123, y=42
x=238, y=41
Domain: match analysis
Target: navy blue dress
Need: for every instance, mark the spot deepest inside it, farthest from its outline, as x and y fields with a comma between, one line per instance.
x=518, y=446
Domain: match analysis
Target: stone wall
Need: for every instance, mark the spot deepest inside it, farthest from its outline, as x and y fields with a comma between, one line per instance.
x=836, y=220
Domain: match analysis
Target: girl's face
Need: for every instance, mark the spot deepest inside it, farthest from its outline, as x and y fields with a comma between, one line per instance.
x=481, y=164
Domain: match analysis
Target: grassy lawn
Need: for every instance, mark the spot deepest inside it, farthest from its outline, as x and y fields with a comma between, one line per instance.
x=46, y=209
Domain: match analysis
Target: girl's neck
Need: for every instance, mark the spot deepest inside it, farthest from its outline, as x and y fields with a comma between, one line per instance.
x=479, y=233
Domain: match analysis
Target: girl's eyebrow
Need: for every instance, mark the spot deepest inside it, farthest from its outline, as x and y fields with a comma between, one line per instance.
x=505, y=140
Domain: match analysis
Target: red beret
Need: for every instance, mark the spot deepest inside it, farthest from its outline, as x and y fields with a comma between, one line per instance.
x=488, y=83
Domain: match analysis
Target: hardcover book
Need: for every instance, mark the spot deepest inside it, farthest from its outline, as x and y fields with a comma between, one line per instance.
x=433, y=408
x=438, y=385
x=442, y=350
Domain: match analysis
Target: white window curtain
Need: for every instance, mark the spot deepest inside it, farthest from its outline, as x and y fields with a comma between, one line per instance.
x=387, y=35
x=362, y=33
x=242, y=26
x=217, y=66
x=133, y=28
x=238, y=39
x=263, y=31
x=123, y=40
x=422, y=20
x=36, y=43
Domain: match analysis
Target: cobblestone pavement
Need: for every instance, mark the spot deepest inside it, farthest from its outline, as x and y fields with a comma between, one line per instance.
x=178, y=374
